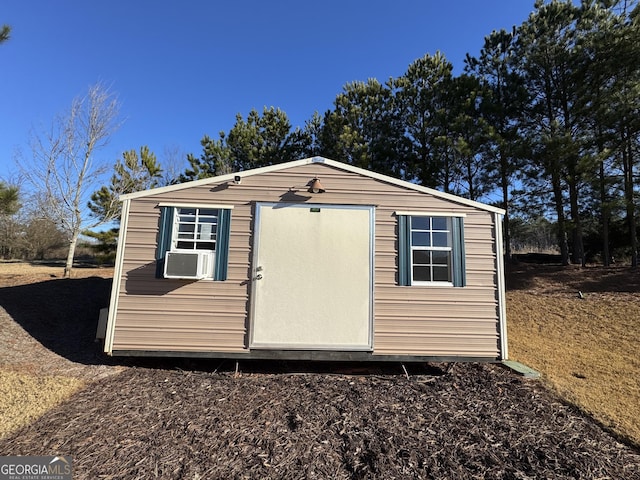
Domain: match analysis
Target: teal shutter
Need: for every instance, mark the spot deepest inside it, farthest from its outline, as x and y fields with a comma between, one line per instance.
x=457, y=232
x=222, y=245
x=164, y=238
x=404, y=250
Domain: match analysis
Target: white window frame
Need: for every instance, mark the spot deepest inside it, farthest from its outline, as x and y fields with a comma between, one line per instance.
x=197, y=216
x=431, y=248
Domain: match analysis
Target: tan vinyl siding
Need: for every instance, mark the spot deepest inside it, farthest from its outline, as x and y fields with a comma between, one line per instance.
x=177, y=315
x=209, y=316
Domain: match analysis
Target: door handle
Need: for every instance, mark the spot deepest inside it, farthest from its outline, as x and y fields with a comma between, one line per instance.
x=258, y=275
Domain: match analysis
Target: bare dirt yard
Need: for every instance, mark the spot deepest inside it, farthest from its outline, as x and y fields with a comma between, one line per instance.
x=144, y=419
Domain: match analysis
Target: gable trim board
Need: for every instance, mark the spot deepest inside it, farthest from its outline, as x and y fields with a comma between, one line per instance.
x=117, y=274
x=149, y=316
x=306, y=161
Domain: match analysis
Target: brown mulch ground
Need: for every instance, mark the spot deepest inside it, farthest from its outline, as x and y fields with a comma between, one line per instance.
x=140, y=419
x=477, y=421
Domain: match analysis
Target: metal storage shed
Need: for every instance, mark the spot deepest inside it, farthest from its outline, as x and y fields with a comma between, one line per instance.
x=310, y=259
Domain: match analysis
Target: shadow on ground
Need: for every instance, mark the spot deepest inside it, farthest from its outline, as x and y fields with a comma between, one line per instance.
x=293, y=367
x=61, y=314
x=572, y=278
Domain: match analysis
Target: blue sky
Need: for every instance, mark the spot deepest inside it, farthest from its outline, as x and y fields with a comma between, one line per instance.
x=185, y=69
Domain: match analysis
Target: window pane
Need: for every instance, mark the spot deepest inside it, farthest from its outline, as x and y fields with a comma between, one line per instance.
x=440, y=223
x=196, y=228
x=205, y=246
x=420, y=223
x=420, y=239
x=206, y=231
x=440, y=258
x=421, y=257
x=440, y=239
x=421, y=274
x=209, y=212
x=441, y=274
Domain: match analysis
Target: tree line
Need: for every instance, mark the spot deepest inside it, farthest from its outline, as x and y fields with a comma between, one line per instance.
x=544, y=122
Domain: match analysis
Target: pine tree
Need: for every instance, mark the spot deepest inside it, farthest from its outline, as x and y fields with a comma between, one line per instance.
x=5, y=33
x=132, y=173
x=258, y=141
x=421, y=94
x=502, y=102
x=547, y=51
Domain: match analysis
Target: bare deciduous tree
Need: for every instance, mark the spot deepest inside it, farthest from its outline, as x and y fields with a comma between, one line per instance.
x=173, y=164
x=63, y=169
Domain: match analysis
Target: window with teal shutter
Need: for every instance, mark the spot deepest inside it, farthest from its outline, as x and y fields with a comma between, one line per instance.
x=431, y=250
x=189, y=229
x=404, y=248
x=164, y=238
x=459, y=267
x=222, y=245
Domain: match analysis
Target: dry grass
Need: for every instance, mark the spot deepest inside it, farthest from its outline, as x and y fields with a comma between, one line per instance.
x=21, y=273
x=26, y=397
x=34, y=379
x=586, y=348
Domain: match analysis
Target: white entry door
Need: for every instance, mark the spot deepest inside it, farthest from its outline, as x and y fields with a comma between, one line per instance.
x=312, y=277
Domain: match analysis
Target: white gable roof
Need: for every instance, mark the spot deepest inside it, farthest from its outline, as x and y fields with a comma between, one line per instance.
x=326, y=161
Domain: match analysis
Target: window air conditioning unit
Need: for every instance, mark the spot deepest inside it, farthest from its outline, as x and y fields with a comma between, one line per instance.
x=191, y=265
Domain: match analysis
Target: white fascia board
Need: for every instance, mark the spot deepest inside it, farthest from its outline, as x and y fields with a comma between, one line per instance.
x=218, y=179
x=115, y=285
x=332, y=163
x=413, y=186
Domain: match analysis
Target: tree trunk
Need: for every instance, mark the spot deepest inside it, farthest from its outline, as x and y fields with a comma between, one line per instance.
x=627, y=163
x=446, y=179
x=562, y=227
x=472, y=188
x=605, y=214
x=578, y=246
x=70, y=254
x=505, y=203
